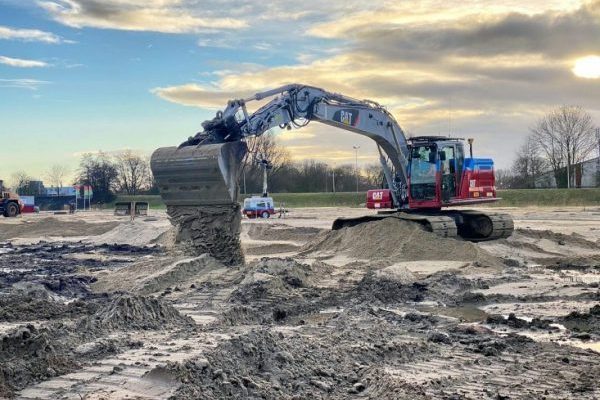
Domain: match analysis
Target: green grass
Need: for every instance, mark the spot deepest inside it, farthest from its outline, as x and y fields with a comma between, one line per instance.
x=510, y=198
x=548, y=197
x=345, y=199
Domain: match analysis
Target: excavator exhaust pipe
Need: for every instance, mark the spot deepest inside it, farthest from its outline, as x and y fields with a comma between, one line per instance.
x=199, y=175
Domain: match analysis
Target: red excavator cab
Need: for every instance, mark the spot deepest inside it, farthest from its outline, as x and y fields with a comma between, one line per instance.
x=441, y=176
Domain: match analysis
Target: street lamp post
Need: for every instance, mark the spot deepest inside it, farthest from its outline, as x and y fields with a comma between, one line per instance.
x=356, y=147
x=333, y=179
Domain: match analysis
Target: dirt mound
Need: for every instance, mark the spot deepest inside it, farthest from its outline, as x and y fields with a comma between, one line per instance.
x=572, y=240
x=272, y=278
x=274, y=290
x=287, y=268
x=27, y=355
x=583, y=322
x=268, y=365
x=396, y=273
x=135, y=233
x=394, y=286
x=574, y=263
x=167, y=238
x=135, y=313
x=395, y=239
x=282, y=232
x=214, y=230
x=156, y=275
x=518, y=323
x=54, y=227
x=386, y=289
x=275, y=248
x=27, y=307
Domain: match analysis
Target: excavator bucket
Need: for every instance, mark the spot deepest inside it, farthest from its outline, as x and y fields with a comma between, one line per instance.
x=199, y=175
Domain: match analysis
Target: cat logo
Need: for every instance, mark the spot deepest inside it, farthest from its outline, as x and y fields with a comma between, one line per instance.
x=377, y=195
x=346, y=117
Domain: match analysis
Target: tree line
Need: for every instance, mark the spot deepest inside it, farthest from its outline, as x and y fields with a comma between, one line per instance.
x=557, y=144
x=127, y=172
x=286, y=176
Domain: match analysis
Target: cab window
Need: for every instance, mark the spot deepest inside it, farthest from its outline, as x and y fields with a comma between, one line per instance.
x=423, y=172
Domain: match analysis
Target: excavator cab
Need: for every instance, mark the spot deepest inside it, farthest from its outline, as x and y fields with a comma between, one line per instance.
x=441, y=176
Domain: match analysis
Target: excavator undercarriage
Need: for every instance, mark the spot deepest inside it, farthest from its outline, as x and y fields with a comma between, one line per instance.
x=472, y=225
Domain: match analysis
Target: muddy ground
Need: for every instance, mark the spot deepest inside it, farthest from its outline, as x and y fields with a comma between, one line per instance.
x=94, y=306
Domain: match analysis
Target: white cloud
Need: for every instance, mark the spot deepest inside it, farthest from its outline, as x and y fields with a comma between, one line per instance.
x=195, y=95
x=29, y=35
x=167, y=16
x=30, y=84
x=22, y=63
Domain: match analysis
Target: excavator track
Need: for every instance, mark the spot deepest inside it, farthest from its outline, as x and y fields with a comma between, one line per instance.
x=441, y=225
x=478, y=226
x=471, y=225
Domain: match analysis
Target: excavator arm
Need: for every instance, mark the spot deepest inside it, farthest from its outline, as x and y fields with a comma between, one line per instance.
x=205, y=169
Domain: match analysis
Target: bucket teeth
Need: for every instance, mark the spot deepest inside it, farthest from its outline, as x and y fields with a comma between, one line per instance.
x=198, y=175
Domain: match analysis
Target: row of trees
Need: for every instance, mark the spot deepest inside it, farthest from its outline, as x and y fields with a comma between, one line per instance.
x=306, y=176
x=127, y=172
x=558, y=142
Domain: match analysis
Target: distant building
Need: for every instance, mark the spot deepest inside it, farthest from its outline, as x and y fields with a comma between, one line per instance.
x=586, y=175
x=36, y=188
x=62, y=191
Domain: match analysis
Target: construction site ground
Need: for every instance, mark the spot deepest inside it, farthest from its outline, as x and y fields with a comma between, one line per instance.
x=94, y=306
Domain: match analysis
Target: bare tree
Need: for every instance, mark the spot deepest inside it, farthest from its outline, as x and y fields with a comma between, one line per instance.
x=57, y=174
x=566, y=137
x=133, y=171
x=529, y=164
x=267, y=147
x=99, y=171
x=373, y=175
x=20, y=182
x=504, y=179
x=264, y=147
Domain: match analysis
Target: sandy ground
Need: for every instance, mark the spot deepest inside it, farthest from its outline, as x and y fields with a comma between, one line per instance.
x=93, y=306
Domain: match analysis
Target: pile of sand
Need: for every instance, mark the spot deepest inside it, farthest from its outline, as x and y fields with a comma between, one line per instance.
x=562, y=239
x=157, y=275
x=134, y=233
x=396, y=239
x=588, y=322
x=281, y=232
x=272, y=280
x=44, y=227
x=136, y=312
x=29, y=354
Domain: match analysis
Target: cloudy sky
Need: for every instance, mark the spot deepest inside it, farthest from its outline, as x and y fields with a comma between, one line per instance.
x=85, y=75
